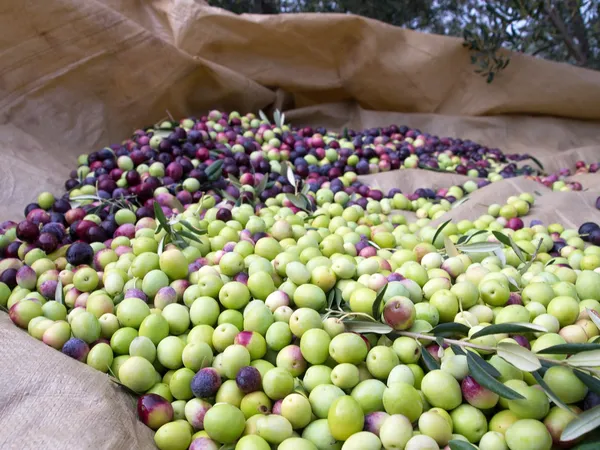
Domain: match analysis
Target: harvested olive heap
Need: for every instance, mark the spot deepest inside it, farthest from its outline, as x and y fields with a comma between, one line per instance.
x=236, y=276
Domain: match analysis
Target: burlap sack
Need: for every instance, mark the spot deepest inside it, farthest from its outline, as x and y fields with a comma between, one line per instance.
x=76, y=76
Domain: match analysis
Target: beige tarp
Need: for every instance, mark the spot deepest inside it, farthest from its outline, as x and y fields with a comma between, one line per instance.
x=76, y=76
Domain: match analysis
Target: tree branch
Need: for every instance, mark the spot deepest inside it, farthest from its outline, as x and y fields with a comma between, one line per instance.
x=558, y=23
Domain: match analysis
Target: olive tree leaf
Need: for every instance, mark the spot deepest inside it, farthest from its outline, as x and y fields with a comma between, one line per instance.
x=192, y=228
x=568, y=349
x=501, y=256
x=584, y=423
x=513, y=285
x=429, y=361
x=484, y=364
x=557, y=401
x=594, y=316
x=215, y=170
x=537, y=161
x=480, y=247
x=518, y=356
x=450, y=328
x=264, y=117
x=58, y=293
x=456, y=444
x=460, y=202
x=161, y=245
x=512, y=328
x=365, y=326
x=585, y=359
x=190, y=236
x=465, y=238
x=488, y=381
x=439, y=230
x=160, y=216
x=590, y=381
x=378, y=303
x=262, y=185
x=526, y=267
x=290, y=176
x=277, y=118
x=508, y=241
x=449, y=246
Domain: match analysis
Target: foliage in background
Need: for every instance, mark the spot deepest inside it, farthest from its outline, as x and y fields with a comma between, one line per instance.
x=559, y=30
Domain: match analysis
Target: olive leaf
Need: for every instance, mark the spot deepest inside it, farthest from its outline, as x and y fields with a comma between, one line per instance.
x=513, y=285
x=557, y=401
x=456, y=444
x=526, y=267
x=429, y=361
x=439, y=230
x=449, y=246
x=594, y=316
x=193, y=229
x=450, y=328
x=365, y=326
x=234, y=180
x=483, y=363
x=373, y=244
x=585, y=359
x=264, y=117
x=460, y=202
x=58, y=293
x=488, y=381
x=508, y=328
x=584, y=423
x=262, y=185
x=214, y=171
x=160, y=216
x=501, y=256
x=537, y=161
x=161, y=245
x=465, y=238
x=480, y=247
x=291, y=178
x=508, y=241
x=590, y=381
x=518, y=356
x=378, y=303
x=189, y=235
x=568, y=349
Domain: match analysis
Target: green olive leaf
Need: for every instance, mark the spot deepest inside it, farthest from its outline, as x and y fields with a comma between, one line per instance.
x=512, y=328
x=557, y=401
x=483, y=363
x=594, y=316
x=58, y=293
x=264, y=117
x=450, y=328
x=480, y=247
x=593, y=383
x=589, y=358
x=365, y=326
x=378, y=303
x=456, y=444
x=429, y=361
x=584, y=423
x=568, y=349
x=518, y=356
x=449, y=246
x=465, y=238
x=439, y=230
x=488, y=381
